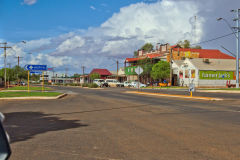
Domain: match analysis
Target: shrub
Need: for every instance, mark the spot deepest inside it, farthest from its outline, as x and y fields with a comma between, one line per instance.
x=85, y=85
x=93, y=85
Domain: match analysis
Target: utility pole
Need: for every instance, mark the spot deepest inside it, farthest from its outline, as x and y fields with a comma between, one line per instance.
x=5, y=61
x=66, y=72
x=237, y=40
x=9, y=66
x=237, y=57
x=83, y=68
x=117, y=69
x=18, y=57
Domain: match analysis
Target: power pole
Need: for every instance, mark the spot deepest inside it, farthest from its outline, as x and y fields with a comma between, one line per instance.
x=66, y=72
x=5, y=62
x=237, y=57
x=83, y=68
x=18, y=57
x=117, y=69
x=9, y=66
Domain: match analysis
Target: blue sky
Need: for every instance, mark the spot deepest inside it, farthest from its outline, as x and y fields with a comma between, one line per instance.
x=47, y=18
x=96, y=33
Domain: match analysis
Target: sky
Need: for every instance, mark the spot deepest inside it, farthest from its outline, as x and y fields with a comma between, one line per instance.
x=96, y=33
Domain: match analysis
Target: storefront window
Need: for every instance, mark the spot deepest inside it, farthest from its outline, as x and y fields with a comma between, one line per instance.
x=186, y=74
x=192, y=73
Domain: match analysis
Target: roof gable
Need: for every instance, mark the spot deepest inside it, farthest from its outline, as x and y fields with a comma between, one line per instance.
x=102, y=72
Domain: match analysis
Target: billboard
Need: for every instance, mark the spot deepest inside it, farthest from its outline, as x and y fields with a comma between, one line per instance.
x=130, y=70
x=216, y=75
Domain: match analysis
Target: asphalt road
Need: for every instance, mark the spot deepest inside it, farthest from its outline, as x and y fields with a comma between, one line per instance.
x=109, y=124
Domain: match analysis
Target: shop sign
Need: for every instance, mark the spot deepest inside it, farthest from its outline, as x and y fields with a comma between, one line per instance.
x=130, y=70
x=216, y=75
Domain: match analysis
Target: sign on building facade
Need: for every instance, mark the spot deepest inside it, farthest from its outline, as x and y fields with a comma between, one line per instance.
x=130, y=70
x=216, y=75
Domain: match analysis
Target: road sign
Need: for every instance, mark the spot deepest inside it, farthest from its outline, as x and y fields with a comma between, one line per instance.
x=138, y=70
x=31, y=67
x=36, y=72
x=191, y=87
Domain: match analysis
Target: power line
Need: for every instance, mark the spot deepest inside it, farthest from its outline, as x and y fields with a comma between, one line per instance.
x=214, y=39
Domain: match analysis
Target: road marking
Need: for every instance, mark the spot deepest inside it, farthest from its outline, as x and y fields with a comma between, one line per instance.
x=176, y=96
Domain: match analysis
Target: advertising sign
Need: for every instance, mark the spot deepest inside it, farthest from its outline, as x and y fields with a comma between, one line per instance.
x=130, y=70
x=216, y=75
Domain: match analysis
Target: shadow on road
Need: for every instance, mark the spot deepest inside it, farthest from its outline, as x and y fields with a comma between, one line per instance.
x=22, y=126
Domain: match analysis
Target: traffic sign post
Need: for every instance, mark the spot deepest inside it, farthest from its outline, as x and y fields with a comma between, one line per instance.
x=31, y=67
x=28, y=82
x=191, y=88
x=39, y=69
x=139, y=71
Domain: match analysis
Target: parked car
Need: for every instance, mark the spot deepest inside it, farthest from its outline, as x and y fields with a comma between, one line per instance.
x=119, y=84
x=126, y=84
x=114, y=83
x=100, y=82
x=135, y=84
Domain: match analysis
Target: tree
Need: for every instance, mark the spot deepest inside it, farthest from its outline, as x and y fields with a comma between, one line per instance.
x=94, y=76
x=187, y=44
x=135, y=54
x=197, y=47
x=147, y=65
x=161, y=70
x=147, y=47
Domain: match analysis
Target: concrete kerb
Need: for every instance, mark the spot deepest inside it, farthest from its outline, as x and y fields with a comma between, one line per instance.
x=34, y=98
x=218, y=91
x=175, y=96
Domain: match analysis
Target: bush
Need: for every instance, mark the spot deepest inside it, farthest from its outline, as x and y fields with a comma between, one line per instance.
x=93, y=85
x=85, y=85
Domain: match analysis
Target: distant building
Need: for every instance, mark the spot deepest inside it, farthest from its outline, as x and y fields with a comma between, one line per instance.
x=104, y=73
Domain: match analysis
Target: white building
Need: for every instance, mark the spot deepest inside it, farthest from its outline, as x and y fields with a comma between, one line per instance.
x=204, y=72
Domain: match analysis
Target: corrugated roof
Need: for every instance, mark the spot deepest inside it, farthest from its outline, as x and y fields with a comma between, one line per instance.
x=102, y=72
x=207, y=53
x=215, y=64
x=178, y=62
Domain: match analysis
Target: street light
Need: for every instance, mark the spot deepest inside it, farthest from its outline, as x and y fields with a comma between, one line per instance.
x=237, y=40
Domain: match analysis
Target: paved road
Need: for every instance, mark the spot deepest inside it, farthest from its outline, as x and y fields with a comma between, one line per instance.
x=109, y=124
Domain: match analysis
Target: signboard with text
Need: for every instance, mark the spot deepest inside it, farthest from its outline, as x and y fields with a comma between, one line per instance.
x=130, y=70
x=216, y=75
x=32, y=67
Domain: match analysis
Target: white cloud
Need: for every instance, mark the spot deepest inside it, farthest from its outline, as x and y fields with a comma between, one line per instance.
x=166, y=21
x=71, y=44
x=92, y=7
x=29, y=2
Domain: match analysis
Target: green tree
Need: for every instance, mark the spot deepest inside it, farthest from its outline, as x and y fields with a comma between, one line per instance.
x=147, y=47
x=147, y=65
x=187, y=44
x=135, y=54
x=94, y=76
x=160, y=70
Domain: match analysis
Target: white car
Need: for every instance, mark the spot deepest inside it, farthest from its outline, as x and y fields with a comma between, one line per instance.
x=135, y=84
x=126, y=84
x=99, y=82
x=114, y=83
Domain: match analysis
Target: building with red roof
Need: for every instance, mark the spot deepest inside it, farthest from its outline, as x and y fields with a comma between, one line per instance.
x=102, y=72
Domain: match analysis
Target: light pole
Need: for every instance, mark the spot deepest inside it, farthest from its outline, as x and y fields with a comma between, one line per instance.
x=237, y=40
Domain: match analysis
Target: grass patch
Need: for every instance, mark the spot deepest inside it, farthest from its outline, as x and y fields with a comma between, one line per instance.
x=31, y=88
x=30, y=94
